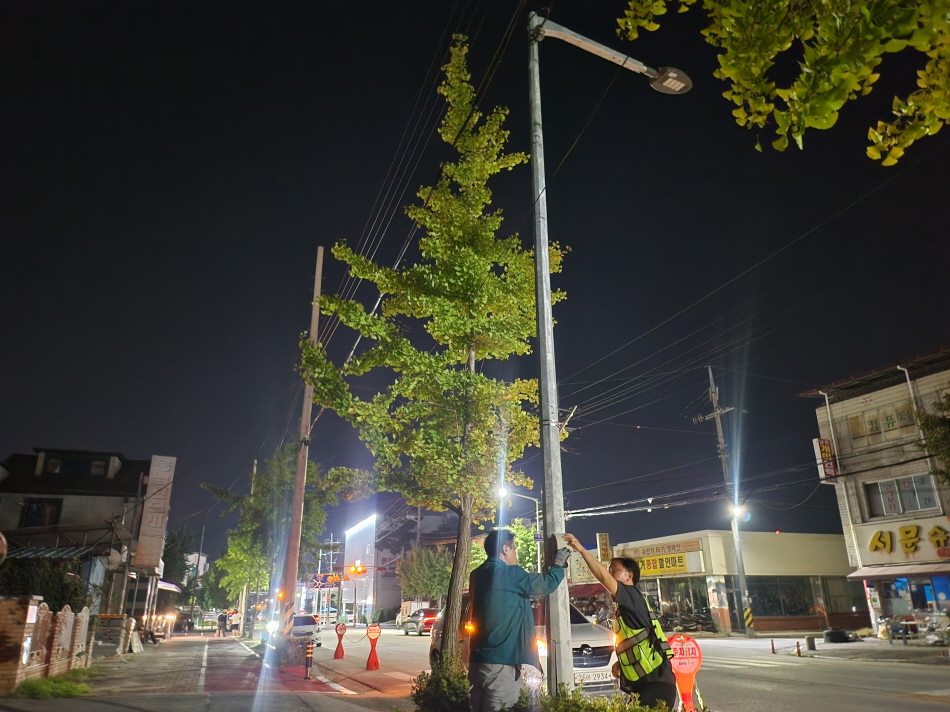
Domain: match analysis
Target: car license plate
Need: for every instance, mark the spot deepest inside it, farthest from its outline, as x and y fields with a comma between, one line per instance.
x=600, y=676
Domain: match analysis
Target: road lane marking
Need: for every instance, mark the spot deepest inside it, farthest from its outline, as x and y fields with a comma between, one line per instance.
x=335, y=686
x=201, y=670
x=339, y=688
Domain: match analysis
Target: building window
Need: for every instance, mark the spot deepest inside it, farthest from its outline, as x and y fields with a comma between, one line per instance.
x=75, y=466
x=904, y=495
x=41, y=512
x=877, y=425
x=780, y=595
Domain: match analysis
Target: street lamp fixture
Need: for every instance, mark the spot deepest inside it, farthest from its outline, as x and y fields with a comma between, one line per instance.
x=737, y=511
x=505, y=492
x=667, y=81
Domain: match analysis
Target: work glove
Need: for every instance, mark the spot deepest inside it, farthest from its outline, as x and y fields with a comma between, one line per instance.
x=561, y=557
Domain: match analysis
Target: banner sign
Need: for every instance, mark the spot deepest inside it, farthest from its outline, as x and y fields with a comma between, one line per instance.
x=151, y=543
x=605, y=553
x=578, y=571
x=675, y=547
x=825, y=457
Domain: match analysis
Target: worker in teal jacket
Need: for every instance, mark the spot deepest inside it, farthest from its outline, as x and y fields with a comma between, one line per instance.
x=503, y=634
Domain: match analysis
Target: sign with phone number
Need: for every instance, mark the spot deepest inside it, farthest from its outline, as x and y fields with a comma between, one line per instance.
x=667, y=564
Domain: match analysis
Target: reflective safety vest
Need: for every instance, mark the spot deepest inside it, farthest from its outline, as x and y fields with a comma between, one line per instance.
x=641, y=650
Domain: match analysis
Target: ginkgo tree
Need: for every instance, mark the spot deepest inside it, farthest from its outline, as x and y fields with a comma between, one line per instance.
x=838, y=46
x=444, y=432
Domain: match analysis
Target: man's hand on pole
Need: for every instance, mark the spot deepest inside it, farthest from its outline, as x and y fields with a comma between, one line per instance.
x=561, y=557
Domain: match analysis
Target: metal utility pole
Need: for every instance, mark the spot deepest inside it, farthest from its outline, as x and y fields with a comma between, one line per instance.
x=667, y=81
x=289, y=580
x=560, y=656
x=743, y=602
x=194, y=591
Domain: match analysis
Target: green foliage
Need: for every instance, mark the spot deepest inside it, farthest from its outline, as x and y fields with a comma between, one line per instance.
x=424, y=572
x=527, y=546
x=178, y=544
x=47, y=578
x=443, y=432
x=444, y=689
x=70, y=684
x=264, y=519
x=936, y=429
x=437, y=429
x=576, y=701
x=476, y=555
x=213, y=592
x=524, y=541
x=839, y=45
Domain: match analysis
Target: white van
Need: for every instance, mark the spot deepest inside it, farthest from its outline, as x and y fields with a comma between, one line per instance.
x=592, y=646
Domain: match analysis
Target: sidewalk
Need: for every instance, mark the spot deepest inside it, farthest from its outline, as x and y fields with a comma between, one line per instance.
x=875, y=649
x=867, y=649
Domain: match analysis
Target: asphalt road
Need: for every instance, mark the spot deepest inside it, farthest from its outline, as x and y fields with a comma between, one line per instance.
x=737, y=676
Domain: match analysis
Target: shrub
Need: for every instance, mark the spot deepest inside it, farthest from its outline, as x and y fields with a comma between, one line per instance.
x=69, y=684
x=576, y=701
x=444, y=689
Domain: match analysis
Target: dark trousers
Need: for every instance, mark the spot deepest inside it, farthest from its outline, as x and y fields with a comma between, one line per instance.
x=652, y=692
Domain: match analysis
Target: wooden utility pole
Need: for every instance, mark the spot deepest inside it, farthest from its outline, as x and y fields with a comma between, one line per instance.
x=289, y=581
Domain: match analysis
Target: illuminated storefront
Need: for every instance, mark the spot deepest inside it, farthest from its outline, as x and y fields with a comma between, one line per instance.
x=796, y=581
x=893, y=510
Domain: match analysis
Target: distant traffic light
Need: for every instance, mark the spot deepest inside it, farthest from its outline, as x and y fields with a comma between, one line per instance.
x=357, y=569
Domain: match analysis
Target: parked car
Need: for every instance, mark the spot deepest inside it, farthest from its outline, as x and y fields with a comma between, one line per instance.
x=592, y=646
x=307, y=626
x=420, y=621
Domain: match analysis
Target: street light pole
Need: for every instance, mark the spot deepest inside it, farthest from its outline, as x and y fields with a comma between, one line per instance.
x=743, y=602
x=667, y=81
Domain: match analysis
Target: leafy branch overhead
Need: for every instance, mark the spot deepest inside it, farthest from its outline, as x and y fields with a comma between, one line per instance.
x=839, y=45
x=936, y=429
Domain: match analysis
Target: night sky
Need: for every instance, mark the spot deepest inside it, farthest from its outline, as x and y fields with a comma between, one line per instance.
x=169, y=169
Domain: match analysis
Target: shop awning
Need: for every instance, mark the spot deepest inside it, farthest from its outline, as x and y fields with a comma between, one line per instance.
x=165, y=586
x=902, y=571
x=50, y=552
x=587, y=590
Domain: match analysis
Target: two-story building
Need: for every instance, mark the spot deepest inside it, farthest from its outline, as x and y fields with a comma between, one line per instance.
x=97, y=508
x=893, y=511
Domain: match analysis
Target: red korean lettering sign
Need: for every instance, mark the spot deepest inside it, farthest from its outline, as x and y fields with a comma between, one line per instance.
x=687, y=659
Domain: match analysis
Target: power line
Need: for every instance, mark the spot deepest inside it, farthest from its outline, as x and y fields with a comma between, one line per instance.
x=767, y=258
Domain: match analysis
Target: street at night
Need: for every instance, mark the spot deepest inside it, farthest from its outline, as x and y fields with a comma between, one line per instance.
x=500, y=333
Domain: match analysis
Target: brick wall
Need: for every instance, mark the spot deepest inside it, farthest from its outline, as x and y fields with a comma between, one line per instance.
x=23, y=657
x=16, y=627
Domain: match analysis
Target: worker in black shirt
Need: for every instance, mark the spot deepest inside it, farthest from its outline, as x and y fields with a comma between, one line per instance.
x=643, y=655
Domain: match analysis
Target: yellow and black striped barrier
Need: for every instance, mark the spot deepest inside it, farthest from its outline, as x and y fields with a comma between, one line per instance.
x=748, y=619
x=288, y=618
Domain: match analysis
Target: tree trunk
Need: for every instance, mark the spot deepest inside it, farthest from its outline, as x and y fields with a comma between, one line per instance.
x=458, y=582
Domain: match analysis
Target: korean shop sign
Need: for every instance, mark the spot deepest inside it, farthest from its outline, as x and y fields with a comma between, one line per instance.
x=659, y=565
x=917, y=540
